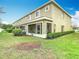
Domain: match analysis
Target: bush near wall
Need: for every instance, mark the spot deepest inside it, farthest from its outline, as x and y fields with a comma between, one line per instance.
x=18, y=32
x=55, y=35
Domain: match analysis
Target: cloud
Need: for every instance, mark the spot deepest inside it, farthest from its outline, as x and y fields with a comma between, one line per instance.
x=71, y=9
x=4, y=22
x=75, y=18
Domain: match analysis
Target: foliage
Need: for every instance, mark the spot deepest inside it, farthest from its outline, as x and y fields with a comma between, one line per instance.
x=5, y=26
x=17, y=32
x=9, y=28
x=55, y=35
x=49, y=35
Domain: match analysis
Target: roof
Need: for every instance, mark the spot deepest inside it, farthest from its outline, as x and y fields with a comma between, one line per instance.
x=39, y=19
x=43, y=6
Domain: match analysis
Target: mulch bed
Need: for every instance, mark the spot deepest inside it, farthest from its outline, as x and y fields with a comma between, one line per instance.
x=30, y=50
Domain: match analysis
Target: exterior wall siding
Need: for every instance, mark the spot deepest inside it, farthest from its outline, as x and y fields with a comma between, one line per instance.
x=60, y=18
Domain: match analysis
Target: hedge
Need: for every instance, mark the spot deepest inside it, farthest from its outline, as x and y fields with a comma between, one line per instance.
x=55, y=35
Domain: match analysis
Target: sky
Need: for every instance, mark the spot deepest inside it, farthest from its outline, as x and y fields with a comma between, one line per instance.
x=15, y=9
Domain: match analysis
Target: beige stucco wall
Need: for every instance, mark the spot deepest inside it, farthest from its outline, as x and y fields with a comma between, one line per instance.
x=60, y=18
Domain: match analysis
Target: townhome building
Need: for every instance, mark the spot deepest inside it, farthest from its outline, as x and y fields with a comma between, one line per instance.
x=50, y=17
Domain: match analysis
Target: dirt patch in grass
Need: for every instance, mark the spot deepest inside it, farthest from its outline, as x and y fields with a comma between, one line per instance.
x=28, y=46
x=29, y=50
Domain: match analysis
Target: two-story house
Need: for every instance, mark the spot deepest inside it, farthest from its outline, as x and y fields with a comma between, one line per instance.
x=50, y=17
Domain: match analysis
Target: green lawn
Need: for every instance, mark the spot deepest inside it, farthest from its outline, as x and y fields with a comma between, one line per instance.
x=65, y=47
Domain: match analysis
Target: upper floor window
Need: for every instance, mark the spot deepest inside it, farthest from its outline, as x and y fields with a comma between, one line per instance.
x=46, y=8
x=38, y=13
x=30, y=17
x=53, y=10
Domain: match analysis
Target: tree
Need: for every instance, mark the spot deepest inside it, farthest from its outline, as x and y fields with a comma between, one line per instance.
x=75, y=26
x=7, y=27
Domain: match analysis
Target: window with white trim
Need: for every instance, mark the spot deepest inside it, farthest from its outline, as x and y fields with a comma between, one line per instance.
x=39, y=28
x=47, y=8
x=37, y=13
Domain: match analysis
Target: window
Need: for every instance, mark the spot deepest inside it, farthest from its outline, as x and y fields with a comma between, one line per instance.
x=22, y=27
x=53, y=10
x=62, y=28
x=29, y=17
x=38, y=13
x=32, y=28
x=46, y=8
x=39, y=28
x=49, y=27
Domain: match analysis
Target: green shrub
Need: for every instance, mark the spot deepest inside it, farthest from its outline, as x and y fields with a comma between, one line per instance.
x=23, y=33
x=55, y=35
x=9, y=30
x=17, y=32
x=49, y=35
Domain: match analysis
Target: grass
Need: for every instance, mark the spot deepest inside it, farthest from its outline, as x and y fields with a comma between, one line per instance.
x=65, y=47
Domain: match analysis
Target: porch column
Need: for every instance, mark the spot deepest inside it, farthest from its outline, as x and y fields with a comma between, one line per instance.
x=36, y=29
x=26, y=29
x=52, y=27
x=44, y=27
